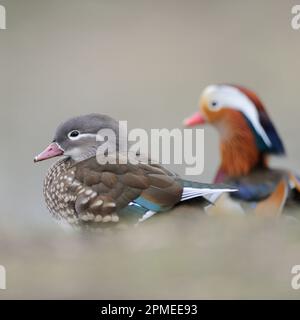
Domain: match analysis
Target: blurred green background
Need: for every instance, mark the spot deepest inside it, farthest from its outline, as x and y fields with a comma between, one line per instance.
x=146, y=62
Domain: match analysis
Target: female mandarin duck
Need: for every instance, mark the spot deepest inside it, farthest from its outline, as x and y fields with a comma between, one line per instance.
x=247, y=138
x=84, y=193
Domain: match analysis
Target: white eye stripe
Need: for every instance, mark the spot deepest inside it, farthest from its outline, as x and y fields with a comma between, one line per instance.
x=73, y=134
x=81, y=135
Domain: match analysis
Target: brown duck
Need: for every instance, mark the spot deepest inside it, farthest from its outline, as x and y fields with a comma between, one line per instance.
x=80, y=191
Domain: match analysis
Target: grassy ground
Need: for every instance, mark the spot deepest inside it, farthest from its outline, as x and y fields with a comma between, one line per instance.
x=183, y=255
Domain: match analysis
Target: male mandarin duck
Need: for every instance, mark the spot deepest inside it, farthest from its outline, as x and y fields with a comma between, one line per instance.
x=84, y=193
x=247, y=139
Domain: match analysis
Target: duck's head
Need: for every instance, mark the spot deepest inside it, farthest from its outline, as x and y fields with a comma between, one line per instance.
x=76, y=138
x=243, y=124
x=222, y=105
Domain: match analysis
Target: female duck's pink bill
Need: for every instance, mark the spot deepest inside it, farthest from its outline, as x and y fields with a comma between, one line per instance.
x=53, y=150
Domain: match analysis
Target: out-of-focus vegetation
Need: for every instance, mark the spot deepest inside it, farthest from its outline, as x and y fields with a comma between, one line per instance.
x=182, y=255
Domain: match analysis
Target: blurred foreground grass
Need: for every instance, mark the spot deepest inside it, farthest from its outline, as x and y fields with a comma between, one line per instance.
x=185, y=255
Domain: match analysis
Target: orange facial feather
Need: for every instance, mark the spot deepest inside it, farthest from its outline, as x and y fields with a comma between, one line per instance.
x=239, y=152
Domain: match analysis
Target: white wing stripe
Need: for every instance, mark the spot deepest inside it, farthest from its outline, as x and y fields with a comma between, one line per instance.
x=209, y=194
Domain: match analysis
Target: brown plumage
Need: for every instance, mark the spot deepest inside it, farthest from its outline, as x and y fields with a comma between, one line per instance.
x=85, y=192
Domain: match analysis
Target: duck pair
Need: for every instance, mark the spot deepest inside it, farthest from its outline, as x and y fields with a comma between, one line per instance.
x=83, y=193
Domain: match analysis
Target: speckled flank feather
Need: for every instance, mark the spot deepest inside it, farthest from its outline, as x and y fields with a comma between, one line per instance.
x=58, y=200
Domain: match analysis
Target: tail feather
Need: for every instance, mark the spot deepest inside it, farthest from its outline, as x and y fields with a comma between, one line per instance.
x=200, y=185
x=210, y=192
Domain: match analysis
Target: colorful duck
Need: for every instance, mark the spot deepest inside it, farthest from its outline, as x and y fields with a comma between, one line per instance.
x=86, y=192
x=247, y=139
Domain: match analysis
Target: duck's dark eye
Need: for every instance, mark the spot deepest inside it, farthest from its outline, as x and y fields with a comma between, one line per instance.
x=214, y=103
x=74, y=134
